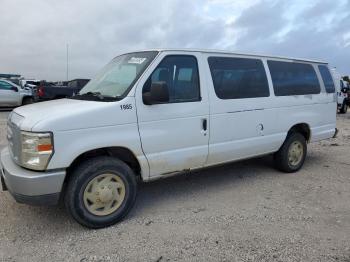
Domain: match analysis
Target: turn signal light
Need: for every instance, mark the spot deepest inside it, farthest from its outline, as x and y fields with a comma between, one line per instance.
x=44, y=148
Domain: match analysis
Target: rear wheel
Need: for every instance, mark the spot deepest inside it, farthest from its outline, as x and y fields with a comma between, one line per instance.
x=101, y=192
x=291, y=156
x=344, y=108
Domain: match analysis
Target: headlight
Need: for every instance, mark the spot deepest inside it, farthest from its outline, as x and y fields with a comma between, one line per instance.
x=37, y=149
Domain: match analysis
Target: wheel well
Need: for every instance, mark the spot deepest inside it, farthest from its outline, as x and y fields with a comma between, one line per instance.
x=303, y=129
x=121, y=153
x=26, y=97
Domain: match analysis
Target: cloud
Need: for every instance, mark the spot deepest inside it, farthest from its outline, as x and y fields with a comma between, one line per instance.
x=34, y=34
x=320, y=30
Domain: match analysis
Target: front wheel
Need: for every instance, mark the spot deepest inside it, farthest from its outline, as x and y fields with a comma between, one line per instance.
x=101, y=192
x=291, y=156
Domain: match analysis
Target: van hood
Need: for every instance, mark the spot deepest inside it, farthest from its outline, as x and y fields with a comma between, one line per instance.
x=65, y=114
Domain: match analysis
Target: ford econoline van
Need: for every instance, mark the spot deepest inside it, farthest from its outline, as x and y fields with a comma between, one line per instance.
x=150, y=114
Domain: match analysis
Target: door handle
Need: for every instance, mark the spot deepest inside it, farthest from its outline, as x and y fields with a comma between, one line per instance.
x=204, y=124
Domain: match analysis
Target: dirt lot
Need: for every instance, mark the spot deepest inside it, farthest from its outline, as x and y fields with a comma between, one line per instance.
x=244, y=211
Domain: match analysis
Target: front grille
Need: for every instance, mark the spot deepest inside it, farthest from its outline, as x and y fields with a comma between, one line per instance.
x=14, y=137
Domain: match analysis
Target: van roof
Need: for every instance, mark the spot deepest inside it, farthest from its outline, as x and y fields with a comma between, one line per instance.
x=233, y=53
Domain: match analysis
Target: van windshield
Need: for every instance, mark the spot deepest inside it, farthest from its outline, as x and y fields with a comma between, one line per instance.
x=116, y=79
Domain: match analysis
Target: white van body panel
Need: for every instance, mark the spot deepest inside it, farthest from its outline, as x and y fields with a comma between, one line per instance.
x=80, y=126
x=168, y=138
x=241, y=128
x=57, y=115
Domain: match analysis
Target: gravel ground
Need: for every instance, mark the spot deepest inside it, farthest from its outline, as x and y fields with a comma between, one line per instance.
x=244, y=211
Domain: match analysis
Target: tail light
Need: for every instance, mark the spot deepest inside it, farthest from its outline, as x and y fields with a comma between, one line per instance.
x=41, y=91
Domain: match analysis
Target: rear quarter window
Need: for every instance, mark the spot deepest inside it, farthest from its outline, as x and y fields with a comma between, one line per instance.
x=237, y=78
x=291, y=78
x=327, y=79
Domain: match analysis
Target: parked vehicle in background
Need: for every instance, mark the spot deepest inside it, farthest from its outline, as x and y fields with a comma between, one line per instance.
x=49, y=91
x=31, y=83
x=343, y=102
x=14, y=78
x=155, y=113
x=78, y=83
x=342, y=91
x=14, y=95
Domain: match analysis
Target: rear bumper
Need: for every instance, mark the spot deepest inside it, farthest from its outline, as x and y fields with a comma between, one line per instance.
x=30, y=187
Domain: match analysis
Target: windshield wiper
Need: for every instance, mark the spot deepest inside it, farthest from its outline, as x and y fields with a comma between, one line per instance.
x=96, y=95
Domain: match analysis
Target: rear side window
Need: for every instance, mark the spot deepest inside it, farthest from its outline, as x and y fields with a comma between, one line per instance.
x=293, y=78
x=236, y=78
x=180, y=73
x=327, y=79
x=5, y=86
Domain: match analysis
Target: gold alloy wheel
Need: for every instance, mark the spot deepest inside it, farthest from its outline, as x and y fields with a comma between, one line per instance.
x=295, y=153
x=104, y=194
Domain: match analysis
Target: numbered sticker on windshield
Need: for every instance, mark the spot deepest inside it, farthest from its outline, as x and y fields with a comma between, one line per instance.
x=137, y=60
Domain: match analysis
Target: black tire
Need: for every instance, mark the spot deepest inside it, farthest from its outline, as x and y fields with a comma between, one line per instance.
x=27, y=101
x=281, y=157
x=79, y=180
x=344, y=108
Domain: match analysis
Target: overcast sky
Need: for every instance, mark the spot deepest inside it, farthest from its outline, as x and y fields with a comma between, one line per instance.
x=34, y=34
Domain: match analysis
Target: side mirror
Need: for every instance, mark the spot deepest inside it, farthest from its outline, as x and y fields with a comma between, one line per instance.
x=158, y=94
x=15, y=89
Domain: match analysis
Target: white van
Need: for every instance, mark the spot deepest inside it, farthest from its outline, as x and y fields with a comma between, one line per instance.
x=154, y=113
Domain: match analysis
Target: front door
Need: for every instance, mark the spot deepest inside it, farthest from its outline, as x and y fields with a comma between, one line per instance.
x=8, y=97
x=174, y=135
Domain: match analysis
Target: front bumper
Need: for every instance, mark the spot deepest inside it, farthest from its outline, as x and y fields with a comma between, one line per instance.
x=30, y=187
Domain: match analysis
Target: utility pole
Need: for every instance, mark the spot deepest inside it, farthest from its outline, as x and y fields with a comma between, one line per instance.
x=67, y=62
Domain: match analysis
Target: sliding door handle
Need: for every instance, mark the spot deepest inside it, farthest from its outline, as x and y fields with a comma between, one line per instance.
x=204, y=124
